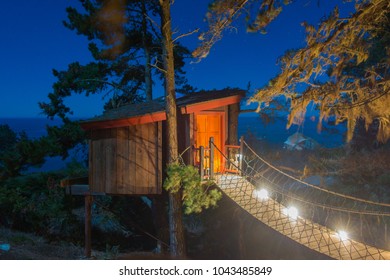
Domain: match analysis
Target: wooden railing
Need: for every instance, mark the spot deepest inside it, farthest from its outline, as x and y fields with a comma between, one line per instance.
x=231, y=157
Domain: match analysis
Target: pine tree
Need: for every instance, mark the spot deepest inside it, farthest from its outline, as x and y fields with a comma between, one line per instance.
x=344, y=68
x=177, y=242
x=123, y=41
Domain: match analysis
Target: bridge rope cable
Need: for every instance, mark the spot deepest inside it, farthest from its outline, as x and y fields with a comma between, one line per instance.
x=305, y=201
x=325, y=209
x=314, y=186
x=295, y=197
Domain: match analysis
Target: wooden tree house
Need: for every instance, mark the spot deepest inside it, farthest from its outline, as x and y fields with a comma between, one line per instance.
x=127, y=145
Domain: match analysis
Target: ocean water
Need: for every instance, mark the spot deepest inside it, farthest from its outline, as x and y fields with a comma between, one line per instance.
x=249, y=125
x=34, y=127
x=276, y=132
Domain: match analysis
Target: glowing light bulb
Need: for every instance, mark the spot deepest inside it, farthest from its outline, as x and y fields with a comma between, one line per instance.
x=262, y=194
x=291, y=212
x=342, y=235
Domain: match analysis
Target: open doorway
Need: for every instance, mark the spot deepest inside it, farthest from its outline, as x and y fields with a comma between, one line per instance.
x=210, y=124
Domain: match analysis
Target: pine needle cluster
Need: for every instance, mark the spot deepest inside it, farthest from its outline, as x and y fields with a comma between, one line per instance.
x=196, y=195
x=343, y=70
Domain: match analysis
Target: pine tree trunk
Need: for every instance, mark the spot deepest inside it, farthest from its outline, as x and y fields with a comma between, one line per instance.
x=148, y=76
x=145, y=43
x=233, y=111
x=158, y=203
x=177, y=242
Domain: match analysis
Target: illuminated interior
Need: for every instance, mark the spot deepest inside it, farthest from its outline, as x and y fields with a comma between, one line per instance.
x=210, y=125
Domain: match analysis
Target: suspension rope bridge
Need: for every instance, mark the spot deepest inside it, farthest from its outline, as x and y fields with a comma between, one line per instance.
x=335, y=224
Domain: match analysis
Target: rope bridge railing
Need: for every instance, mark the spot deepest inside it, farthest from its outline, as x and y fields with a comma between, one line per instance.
x=333, y=223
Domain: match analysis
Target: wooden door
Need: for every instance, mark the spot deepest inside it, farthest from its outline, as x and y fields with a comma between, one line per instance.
x=210, y=125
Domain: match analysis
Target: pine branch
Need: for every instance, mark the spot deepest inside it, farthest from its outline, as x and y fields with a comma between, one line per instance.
x=186, y=34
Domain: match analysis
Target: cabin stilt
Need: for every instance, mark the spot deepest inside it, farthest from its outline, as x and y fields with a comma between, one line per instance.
x=88, y=224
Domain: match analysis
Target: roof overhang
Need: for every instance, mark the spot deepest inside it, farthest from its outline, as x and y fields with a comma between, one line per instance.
x=184, y=107
x=147, y=118
x=210, y=104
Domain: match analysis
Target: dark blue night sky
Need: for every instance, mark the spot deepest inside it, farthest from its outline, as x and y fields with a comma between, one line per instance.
x=34, y=41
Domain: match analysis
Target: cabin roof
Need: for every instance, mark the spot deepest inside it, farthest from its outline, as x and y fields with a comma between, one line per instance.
x=154, y=110
x=207, y=96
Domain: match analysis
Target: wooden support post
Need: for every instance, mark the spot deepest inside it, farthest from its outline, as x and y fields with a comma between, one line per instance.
x=211, y=146
x=201, y=163
x=88, y=225
x=223, y=167
x=241, y=154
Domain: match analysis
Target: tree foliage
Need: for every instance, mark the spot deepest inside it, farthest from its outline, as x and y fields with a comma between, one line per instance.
x=35, y=202
x=343, y=69
x=18, y=152
x=123, y=40
x=222, y=14
x=196, y=195
x=7, y=137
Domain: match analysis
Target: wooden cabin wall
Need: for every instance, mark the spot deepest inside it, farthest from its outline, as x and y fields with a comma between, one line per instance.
x=126, y=160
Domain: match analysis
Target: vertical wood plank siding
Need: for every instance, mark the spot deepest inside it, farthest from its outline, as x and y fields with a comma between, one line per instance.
x=126, y=160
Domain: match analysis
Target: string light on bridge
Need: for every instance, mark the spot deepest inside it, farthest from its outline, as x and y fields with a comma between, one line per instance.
x=291, y=212
x=343, y=235
x=261, y=194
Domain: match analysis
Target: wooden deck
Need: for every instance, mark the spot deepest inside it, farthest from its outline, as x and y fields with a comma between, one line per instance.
x=301, y=230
